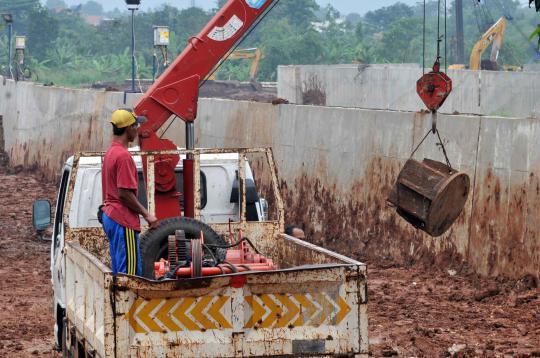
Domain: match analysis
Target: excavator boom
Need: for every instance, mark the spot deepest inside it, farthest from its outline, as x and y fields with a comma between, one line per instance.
x=493, y=36
x=254, y=54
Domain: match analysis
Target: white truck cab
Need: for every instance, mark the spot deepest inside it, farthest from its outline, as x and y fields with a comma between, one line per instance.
x=219, y=178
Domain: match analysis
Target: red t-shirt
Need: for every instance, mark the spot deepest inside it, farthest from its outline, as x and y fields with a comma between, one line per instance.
x=119, y=172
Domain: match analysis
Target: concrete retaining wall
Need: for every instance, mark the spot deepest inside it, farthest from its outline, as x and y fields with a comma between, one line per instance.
x=494, y=93
x=337, y=166
x=44, y=125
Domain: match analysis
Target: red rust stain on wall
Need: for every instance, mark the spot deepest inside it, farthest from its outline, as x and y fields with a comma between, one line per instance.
x=48, y=154
x=505, y=224
x=359, y=222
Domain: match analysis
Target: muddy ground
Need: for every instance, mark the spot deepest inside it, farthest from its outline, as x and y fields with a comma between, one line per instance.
x=414, y=311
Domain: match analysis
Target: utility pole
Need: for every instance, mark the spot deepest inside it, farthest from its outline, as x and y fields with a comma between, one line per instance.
x=192, y=3
x=460, y=45
x=8, y=19
x=133, y=72
x=132, y=5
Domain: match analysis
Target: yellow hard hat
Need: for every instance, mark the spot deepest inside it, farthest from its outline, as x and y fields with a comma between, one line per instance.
x=123, y=118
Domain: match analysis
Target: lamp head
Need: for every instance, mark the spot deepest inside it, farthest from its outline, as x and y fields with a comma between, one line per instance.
x=8, y=18
x=133, y=4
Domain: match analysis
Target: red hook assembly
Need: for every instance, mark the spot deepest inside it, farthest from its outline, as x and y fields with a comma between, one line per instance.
x=434, y=87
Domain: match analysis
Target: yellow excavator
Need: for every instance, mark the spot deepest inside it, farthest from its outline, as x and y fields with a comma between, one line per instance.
x=246, y=53
x=493, y=36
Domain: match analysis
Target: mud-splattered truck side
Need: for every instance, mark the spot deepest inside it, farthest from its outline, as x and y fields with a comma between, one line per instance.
x=313, y=304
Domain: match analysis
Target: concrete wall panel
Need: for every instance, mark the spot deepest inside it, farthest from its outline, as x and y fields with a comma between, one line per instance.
x=337, y=166
x=393, y=87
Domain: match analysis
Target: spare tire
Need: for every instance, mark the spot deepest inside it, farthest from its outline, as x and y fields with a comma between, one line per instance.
x=154, y=242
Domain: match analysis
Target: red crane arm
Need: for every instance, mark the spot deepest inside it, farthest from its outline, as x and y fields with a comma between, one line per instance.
x=176, y=92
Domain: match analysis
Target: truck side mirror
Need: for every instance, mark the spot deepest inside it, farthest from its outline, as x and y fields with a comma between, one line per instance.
x=41, y=214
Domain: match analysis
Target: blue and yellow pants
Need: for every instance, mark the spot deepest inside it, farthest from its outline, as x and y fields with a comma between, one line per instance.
x=124, y=247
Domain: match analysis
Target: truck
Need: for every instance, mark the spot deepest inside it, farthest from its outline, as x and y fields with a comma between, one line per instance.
x=313, y=304
x=220, y=278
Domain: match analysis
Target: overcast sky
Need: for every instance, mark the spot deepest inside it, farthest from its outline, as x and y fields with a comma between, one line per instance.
x=344, y=6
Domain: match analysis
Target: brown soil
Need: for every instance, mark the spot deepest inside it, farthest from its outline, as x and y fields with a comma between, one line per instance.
x=243, y=91
x=415, y=311
x=430, y=313
x=26, y=323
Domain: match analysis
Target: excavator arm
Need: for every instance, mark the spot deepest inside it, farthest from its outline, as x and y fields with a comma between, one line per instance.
x=493, y=36
x=176, y=92
x=254, y=54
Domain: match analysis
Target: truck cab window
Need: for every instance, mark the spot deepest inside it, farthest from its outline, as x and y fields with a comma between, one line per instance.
x=179, y=186
x=58, y=217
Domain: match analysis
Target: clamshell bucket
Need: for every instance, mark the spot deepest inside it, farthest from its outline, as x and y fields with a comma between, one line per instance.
x=430, y=195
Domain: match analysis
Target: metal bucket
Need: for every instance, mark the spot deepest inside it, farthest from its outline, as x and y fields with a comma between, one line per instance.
x=430, y=195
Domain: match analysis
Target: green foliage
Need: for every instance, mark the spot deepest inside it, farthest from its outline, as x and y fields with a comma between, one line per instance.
x=92, y=8
x=55, y=4
x=399, y=42
x=42, y=29
x=536, y=33
x=64, y=49
x=381, y=19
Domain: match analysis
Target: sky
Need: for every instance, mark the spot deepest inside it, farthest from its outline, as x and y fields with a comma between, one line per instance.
x=343, y=6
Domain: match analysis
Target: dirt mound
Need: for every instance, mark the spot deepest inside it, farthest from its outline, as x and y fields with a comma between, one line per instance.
x=242, y=91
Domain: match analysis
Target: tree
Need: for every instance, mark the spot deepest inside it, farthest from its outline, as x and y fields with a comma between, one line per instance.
x=354, y=18
x=331, y=13
x=92, y=8
x=42, y=31
x=299, y=13
x=401, y=42
x=381, y=19
x=536, y=32
x=56, y=4
x=220, y=3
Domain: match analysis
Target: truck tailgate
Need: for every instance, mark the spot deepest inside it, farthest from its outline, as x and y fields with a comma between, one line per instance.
x=311, y=310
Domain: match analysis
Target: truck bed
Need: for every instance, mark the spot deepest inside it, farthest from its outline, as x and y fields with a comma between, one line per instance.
x=314, y=305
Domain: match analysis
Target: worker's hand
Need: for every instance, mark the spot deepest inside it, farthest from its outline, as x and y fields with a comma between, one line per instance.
x=152, y=221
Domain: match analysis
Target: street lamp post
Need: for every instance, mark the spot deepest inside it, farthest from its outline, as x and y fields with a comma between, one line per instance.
x=133, y=5
x=8, y=19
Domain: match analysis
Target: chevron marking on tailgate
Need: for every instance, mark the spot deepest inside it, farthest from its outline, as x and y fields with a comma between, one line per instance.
x=294, y=310
x=179, y=314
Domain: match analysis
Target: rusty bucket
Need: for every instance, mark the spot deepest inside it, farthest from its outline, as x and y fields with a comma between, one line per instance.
x=430, y=195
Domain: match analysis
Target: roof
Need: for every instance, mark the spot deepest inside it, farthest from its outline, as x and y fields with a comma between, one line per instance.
x=93, y=20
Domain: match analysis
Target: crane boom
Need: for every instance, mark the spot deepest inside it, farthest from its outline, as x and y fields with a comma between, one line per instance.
x=176, y=92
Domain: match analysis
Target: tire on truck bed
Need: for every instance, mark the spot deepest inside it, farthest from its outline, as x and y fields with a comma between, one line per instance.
x=153, y=243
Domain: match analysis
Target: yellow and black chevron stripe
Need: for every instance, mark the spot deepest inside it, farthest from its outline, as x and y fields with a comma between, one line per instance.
x=131, y=252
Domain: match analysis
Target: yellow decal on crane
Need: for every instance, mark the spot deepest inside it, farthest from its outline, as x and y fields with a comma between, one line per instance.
x=294, y=310
x=179, y=314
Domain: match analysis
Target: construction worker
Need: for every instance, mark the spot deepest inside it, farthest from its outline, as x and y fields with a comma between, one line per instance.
x=295, y=231
x=121, y=209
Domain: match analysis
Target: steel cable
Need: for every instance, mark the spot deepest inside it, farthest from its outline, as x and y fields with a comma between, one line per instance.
x=424, y=41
